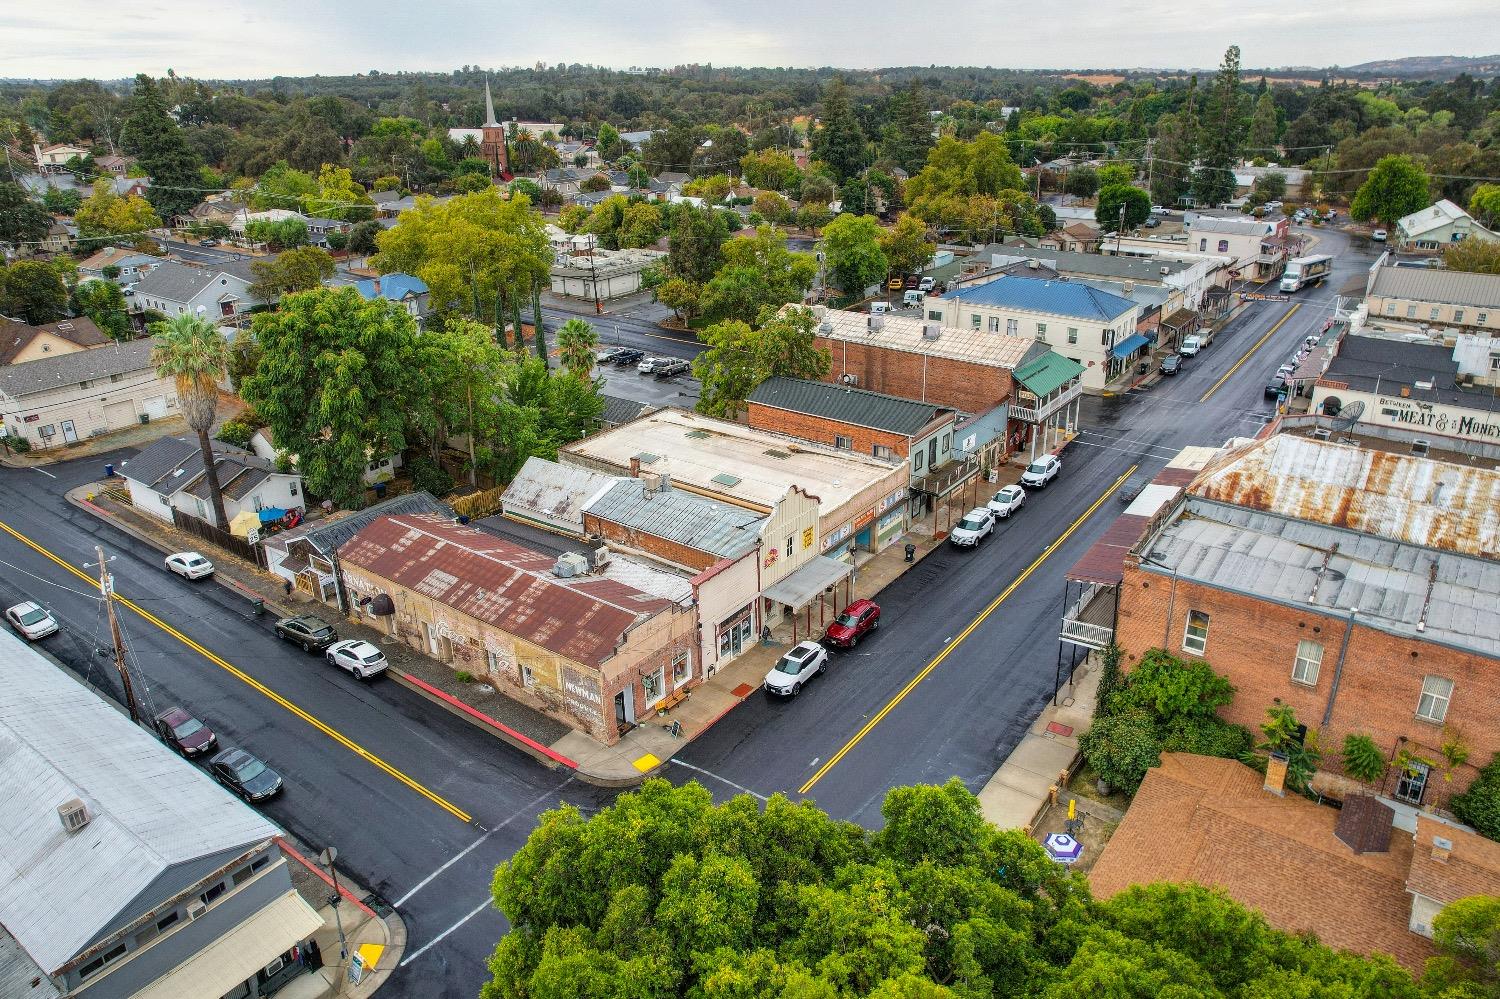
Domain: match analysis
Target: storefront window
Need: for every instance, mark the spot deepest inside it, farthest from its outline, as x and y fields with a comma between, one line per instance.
x=651, y=685
x=681, y=668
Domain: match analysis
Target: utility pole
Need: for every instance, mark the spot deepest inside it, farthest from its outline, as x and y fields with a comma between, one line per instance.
x=594, y=275
x=1150, y=164
x=107, y=591
x=1120, y=229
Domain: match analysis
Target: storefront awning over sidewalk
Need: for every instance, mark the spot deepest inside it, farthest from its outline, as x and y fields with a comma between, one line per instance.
x=803, y=586
x=1130, y=345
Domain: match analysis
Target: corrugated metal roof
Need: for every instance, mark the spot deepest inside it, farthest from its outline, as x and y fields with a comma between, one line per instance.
x=557, y=492
x=325, y=536
x=1418, y=501
x=904, y=333
x=151, y=809
x=18, y=971
x=391, y=286
x=1048, y=373
x=684, y=518
x=843, y=404
x=1437, y=284
x=1054, y=298
x=582, y=619
x=618, y=410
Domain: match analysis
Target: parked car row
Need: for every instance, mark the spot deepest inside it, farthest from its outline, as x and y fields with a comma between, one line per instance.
x=661, y=367
x=1192, y=346
x=1280, y=380
x=354, y=656
x=806, y=660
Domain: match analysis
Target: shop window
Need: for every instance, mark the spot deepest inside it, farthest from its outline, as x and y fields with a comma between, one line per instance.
x=1308, y=663
x=212, y=895
x=1195, y=638
x=843, y=443
x=651, y=686
x=681, y=668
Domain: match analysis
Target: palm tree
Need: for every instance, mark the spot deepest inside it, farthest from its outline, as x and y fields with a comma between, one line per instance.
x=576, y=343
x=192, y=352
x=469, y=148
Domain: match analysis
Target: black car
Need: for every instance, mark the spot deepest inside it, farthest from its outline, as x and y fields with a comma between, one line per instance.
x=1171, y=364
x=245, y=775
x=627, y=356
x=670, y=369
x=1275, y=387
x=309, y=632
x=184, y=733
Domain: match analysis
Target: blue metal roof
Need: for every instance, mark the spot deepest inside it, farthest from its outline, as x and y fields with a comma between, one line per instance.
x=1055, y=297
x=1130, y=345
x=394, y=287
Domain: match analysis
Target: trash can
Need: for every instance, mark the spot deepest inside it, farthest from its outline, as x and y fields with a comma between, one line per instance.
x=258, y=606
x=109, y=471
x=911, y=552
x=380, y=490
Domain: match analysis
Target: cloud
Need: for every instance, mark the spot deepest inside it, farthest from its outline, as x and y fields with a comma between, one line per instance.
x=257, y=38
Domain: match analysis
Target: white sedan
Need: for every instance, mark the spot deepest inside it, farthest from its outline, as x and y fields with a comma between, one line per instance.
x=190, y=565
x=357, y=658
x=32, y=620
x=803, y=662
x=1007, y=501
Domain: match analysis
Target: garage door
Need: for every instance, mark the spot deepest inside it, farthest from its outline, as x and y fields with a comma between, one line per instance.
x=118, y=415
x=156, y=406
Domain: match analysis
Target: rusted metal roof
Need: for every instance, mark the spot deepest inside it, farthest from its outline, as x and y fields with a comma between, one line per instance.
x=1419, y=501
x=582, y=618
x=1104, y=562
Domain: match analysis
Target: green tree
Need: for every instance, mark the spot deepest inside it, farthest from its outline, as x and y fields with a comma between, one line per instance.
x=1263, y=127
x=466, y=366
x=1481, y=256
x=695, y=244
x=682, y=297
x=1270, y=187
x=1484, y=204
x=1169, y=687
x=839, y=140
x=1172, y=159
x=739, y=358
x=33, y=290
x=851, y=244
x=576, y=346
x=362, y=238
x=282, y=187
x=1115, y=173
x=1122, y=747
x=104, y=304
x=1281, y=730
x=1135, y=202
x=770, y=170
x=295, y=270
x=192, y=352
x=713, y=188
x=150, y=134
x=1363, y=760
x=21, y=219
x=1221, y=132
x=595, y=184
x=773, y=208
x=61, y=201
x=1479, y=806
x=622, y=224
x=1395, y=188
x=908, y=133
x=759, y=272
x=608, y=143
x=1467, y=936
x=339, y=380
x=1082, y=182
x=906, y=246
x=104, y=216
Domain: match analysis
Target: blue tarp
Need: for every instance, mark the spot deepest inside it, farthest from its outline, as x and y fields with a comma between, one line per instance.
x=271, y=513
x=1130, y=345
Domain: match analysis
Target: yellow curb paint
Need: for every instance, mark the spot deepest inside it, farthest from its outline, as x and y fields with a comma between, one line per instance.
x=647, y=762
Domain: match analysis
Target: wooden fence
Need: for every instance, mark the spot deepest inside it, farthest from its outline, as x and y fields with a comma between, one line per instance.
x=208, y=532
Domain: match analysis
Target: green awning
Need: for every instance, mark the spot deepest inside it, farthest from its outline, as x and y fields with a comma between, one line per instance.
x=1048, y=373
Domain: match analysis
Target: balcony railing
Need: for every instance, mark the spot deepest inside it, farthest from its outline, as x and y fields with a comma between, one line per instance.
x=1038, y=413
x=1090, y=621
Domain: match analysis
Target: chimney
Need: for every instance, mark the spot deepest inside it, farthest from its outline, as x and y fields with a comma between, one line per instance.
x=1276, y=774
x=635, y=467
x=1406, y=391
x=1442, y=849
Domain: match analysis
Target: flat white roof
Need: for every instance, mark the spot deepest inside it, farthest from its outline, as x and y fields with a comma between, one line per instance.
x=905, y=334
x=731, y=460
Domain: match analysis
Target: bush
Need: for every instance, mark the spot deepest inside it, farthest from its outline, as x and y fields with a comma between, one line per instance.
x=1121, y=748
x=1362, y=759
x=236, y=433
x=1170, y=688
x=1206, y=736
x=1479, y=806
x=20, y=445
x=428, y=476
x=464, y=676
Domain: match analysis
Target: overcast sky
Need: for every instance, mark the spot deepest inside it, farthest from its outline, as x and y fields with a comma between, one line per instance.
x=258, y=38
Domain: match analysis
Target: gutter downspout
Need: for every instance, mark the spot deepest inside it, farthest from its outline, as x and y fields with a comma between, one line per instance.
x=1338, y=669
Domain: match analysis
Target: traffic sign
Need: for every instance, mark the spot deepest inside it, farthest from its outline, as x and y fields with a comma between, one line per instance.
x=1255, y=296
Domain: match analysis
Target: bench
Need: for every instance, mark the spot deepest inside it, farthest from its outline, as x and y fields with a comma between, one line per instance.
x=671, y=701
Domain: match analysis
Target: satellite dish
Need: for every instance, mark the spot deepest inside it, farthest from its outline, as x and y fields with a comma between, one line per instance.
x=1348, y=416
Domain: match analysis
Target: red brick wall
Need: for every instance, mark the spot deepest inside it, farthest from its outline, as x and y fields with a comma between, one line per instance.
x=671, y=551
x=973, y=388
x=1254, y=643
x=822, y=431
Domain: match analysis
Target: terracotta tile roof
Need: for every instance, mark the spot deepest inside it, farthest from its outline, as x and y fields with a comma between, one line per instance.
x=1208, y=820
x=582, y=619
x=1471, y=868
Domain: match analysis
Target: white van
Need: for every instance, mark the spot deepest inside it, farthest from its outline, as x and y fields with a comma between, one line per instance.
x=879, y=308
x=910, y=299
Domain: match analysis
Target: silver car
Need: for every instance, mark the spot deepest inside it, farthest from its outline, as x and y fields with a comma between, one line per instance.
x=1007, y=501
x=31, y=620
x=974, y=528
x=801, y=663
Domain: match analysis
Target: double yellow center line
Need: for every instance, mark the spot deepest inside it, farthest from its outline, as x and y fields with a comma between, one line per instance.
x=937, y=660
x=253, y=683
x=1279, y=323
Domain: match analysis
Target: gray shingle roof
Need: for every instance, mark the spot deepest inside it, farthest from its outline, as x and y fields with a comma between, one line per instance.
x=1365, y=363
x=618, y=410
x=1095, y=264
x=31, y=377
x=175, y=282
x=859, y=407
x=161, y=459
x=1437, y=284
x=719, y=529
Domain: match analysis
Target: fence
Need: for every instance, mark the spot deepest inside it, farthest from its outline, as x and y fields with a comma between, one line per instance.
x=210, y=533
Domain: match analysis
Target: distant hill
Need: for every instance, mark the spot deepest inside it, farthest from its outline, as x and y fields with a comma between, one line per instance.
x=1437, y=67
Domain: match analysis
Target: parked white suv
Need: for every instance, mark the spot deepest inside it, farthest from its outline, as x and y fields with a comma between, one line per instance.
x=1007, y=501
x=1041, y=471
x=977, y=525
x=356, y=657
x=801, y=663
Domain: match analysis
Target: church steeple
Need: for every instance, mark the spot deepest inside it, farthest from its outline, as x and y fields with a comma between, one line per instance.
x=489, y=108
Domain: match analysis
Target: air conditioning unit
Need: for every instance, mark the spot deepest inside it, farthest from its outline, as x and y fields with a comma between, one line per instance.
x=849, y=378
x=570, y=564
x=74, y=815
x=196, y=908
x=1165, y=271
x=1420, y=447
x=601, y=558
x=931, y=331
x=875, y=324
x=1322, y=434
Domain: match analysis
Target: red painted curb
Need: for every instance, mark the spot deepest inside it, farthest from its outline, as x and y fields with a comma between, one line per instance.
x=512, y=733
x=287, y=848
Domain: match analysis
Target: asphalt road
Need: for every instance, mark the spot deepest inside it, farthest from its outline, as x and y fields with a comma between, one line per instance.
x=993, y=670
x=191, y=251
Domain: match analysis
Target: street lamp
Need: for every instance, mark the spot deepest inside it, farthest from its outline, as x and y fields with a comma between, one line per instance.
x=326, y=858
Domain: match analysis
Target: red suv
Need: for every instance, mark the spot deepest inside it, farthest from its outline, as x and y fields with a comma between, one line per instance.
x=858, y=618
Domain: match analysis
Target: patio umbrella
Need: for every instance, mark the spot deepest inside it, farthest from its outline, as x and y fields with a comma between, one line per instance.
x=1063, y=848
x=243, y=523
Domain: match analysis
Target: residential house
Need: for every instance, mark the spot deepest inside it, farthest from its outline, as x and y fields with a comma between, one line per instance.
x=603, y=274
x=59, y=239
x=635, y=140
x=1191, y=277
x=217, y=291
x=129, y=871
x=405, y=289
x=1076, y=237
x=1354, y=586
x=1437, y=226
x=20, y=343
x=307, y=555
x=591, y=199
x=552, y=496
x=117, y=164
x=1349, y=876
x=385, y=199
x=54, y=157
x=377, y=469
x=718, y=544
x=168, y=475
x=410, y=201
x=57, y=401
x=1092, y=327
x=1432, y=296
x=216, y=210
x=133, y=265
x=564, y=180
x=569, y=636
x=1246, y=174
x=319, y=229
x=618, y=410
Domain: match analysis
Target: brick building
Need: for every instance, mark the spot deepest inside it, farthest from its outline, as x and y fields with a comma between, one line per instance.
x=598, y=647
x=1355, y=586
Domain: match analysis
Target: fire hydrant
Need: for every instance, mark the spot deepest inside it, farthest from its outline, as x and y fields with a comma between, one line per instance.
x=911, y=552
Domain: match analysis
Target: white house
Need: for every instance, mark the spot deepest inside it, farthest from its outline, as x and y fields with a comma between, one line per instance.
x=1438, y=225
x=1259, y=248
x=218, y=291
x=65, y=398
x=376, y=470
x=169, y=475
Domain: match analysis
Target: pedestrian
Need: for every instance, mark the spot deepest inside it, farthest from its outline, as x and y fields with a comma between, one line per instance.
x=286, y=586
x=314, y=955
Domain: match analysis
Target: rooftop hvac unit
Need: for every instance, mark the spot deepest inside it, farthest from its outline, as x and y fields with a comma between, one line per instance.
x=931, y=331
x=1166, y=270
x=825, y=328
x=1419, y=447
x=196, y=908
x=601, y=558
x=849, y=378
x=874, y=324
x=73, y=814
x=570, y=564
x=1322, y=434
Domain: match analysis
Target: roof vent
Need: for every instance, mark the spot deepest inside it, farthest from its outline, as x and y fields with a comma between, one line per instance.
x=570, y=564
x=1424, y=385
x=1032, y=263
x=931, y=331
x=825, y=328
x=1166, y=270
x=74, y=815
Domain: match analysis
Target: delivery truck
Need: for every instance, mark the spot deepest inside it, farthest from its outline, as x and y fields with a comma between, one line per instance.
x=1304, y=271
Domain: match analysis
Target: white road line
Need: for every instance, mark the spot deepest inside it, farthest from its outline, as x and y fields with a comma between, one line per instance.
x=1140, y=452
x=46, y=473
x=722, y=780
x=487, y=903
